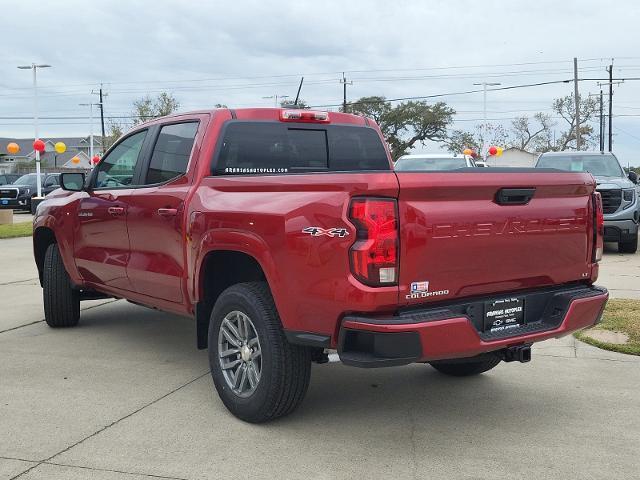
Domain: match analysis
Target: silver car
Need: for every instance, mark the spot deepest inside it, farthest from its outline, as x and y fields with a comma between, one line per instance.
x=619, y=192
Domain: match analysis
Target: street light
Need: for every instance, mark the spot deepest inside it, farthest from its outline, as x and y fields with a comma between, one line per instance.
x=484, y=109
x=276, y=98
x=35, y=67
x=90, y=105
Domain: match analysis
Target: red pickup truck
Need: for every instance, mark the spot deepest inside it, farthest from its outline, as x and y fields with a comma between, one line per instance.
x=285, y=233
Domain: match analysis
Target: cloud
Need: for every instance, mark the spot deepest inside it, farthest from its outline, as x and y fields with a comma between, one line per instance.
x=133, y=46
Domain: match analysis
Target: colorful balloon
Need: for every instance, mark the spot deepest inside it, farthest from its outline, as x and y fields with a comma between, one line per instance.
x=13, y=148
x=38, y=145
x=467, y=151
x=75, y=160
x=493, y=150
x=95, y=160
x=500, y=150
x=60, y=147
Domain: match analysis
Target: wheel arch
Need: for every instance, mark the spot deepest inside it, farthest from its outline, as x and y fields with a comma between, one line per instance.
x=42, y=238
x=219, y=270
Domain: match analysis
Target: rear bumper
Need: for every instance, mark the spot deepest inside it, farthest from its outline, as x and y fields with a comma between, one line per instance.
x=453, y=331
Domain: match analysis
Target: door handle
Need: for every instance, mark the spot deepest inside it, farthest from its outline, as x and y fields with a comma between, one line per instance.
x=167, y=212
x=115, y=211
x=514, y=196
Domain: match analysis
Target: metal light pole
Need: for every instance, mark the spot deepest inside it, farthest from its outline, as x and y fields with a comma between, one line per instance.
x=90, y=105
x=35, y=68
x=276, y=98
x=484, y=115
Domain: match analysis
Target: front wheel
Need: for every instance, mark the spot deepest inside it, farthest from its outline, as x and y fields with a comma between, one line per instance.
x=466, y=367
x=61, y=300
x=257, y=373
x=629, y=247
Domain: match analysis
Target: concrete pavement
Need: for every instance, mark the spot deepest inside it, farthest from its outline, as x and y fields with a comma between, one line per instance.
x=127, y=396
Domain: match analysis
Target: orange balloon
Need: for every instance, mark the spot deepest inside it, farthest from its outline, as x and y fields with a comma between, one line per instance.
x=13, y=148
x=467, y=151
x=75, y=160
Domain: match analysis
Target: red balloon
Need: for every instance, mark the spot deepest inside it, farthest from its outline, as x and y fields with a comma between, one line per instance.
x=38, y=145
x=95, y=159
x=493, y=150
x=474, y=155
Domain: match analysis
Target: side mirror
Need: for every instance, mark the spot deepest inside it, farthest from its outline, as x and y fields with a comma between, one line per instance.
x=73, y=182
x=633, y=176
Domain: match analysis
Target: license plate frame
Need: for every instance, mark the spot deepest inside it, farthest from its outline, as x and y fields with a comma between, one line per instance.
x=504, y=314
x=5, y=202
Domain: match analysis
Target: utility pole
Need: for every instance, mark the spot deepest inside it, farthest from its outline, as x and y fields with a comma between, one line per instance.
x=600, y=119
x=577, y=99
x=601, y=123
x=276, y=98
x=344, y=83
x=35, y=68
x=484, y=115
x=610, y=70
x=101, y=105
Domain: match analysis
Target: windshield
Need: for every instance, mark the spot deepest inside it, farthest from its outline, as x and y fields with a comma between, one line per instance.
x=29, y=179
x=597, y=165
x=429, y=164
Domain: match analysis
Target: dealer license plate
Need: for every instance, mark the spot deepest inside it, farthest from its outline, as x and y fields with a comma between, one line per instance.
x=504, y=314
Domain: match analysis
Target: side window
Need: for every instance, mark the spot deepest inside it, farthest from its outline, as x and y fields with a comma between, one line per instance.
x=52, y=181
x=171, y=153
x=116, y=169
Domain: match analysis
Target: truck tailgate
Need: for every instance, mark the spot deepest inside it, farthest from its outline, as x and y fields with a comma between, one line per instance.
x=472, y=233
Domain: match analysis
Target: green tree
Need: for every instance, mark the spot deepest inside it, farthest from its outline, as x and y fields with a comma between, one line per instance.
x=147, y=107
x=407, y=123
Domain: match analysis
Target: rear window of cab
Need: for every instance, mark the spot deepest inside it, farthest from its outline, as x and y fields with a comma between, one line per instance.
x=250, y=148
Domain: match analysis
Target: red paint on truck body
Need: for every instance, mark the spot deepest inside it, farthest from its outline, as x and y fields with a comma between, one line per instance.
x=452, y=234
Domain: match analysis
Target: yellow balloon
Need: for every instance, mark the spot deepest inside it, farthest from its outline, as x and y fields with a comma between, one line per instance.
x=13, y=148
x=60, y=147
x=75, y=160
x=499, y=152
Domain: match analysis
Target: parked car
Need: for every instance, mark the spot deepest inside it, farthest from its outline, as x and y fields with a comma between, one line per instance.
x=287, y=232
x=18, y=195
x=618, y=190
x=8, y=178
x=433, y=162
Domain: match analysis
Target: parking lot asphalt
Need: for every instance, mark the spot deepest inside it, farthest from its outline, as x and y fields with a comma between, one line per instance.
x=126, y=395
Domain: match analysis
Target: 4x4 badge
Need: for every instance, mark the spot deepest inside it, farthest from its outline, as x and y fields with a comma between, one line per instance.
x=329, y=232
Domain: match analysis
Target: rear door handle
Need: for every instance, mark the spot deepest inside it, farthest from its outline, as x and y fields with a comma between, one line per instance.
x=514, y=196
x=167, y=212
x=115, y=211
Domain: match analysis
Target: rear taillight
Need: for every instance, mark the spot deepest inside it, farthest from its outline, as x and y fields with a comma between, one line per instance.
x=307, y=116
x=598, y=227
x=374, y=255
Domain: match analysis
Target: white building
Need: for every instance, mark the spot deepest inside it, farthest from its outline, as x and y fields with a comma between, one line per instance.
x=513, y=157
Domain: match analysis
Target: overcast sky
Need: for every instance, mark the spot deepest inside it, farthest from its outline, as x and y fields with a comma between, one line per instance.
x=238, y=52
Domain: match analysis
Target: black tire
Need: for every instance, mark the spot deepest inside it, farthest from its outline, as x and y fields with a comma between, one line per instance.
x=466, y=367
x=285, y=368
x=629, y=247
x=61, y=300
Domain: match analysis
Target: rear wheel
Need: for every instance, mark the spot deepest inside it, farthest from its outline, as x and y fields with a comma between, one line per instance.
x=257, y=373
x=61, y=300
x=465, y=367
x=629, y=247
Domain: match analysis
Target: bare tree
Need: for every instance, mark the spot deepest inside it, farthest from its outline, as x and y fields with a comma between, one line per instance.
x=532, y=135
